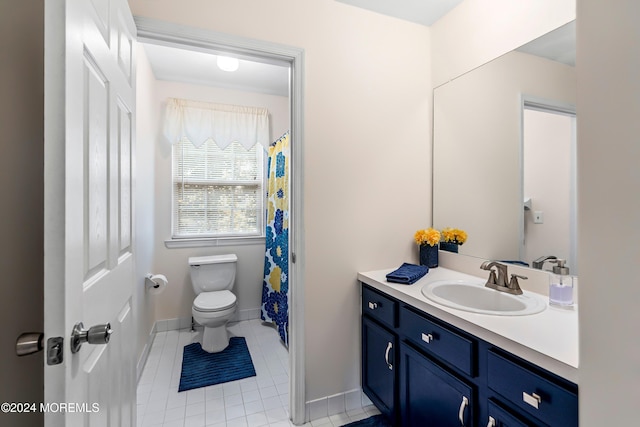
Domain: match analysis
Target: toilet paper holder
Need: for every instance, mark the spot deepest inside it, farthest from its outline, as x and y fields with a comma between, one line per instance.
x=150, y=284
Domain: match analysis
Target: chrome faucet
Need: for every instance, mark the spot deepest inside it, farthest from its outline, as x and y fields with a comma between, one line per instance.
x=540, y=261
x=499, y=282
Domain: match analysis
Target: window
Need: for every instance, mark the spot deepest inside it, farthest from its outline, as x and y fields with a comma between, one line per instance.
x=217, y=192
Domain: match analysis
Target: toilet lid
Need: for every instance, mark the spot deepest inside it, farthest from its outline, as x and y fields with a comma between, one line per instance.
x=214, y=301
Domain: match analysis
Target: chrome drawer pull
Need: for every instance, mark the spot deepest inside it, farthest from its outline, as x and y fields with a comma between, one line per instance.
x=386, y=356
x=463, y=406
x=427, y=338
x=531, y=399
x=373, y=305
x=492, y=422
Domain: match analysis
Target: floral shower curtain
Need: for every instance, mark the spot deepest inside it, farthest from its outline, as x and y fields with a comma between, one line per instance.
x=275, y=287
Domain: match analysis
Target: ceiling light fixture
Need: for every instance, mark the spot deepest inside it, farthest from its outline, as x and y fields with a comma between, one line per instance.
x=226, y=63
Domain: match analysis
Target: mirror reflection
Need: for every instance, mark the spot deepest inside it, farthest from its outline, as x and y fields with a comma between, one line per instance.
x=504, y=153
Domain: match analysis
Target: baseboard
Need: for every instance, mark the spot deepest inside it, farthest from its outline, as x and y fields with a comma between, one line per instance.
x=185, y=322
x=173, y=324
x=246, y=314
x=145, y=352
x=336, y=404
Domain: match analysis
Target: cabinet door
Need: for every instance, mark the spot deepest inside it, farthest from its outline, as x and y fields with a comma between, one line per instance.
x=378, y=366
x=532, y=391
x=430, y=395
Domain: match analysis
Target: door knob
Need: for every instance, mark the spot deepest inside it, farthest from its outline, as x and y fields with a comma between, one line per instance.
x=98, y=334
x=29, y=343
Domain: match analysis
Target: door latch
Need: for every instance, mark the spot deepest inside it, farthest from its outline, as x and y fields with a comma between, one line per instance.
x=55, y=351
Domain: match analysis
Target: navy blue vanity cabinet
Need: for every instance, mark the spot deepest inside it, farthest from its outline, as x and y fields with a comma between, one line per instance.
x=421, y=371
x=431, y=395
x=379, y=350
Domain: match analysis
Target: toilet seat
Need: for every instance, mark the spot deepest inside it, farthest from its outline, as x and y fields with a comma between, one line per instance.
x=214, y=301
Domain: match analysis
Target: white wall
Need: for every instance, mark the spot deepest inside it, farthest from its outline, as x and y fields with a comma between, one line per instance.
x=177, y=300
x=22, y=199
x=478, y=31
x=609, y=205
x=145, y=148
x=366, y=138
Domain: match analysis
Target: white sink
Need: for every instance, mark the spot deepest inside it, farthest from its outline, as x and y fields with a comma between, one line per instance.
x=475, y=297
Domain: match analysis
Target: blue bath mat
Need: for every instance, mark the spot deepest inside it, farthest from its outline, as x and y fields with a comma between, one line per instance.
x=202, y=369
x=375, y=421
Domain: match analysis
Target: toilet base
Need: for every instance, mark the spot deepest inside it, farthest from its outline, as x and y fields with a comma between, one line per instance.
x=215, y=339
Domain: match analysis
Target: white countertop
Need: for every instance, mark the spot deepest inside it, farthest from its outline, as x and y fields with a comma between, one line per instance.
x=548, y=339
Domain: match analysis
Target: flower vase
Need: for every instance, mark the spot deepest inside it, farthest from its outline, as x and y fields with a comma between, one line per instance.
x=448, y=246
x=429, y=255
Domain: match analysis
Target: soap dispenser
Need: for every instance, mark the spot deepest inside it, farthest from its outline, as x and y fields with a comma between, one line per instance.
x=560, y=285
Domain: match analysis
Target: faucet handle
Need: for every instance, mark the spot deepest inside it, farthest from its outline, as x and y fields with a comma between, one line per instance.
x=513, y=283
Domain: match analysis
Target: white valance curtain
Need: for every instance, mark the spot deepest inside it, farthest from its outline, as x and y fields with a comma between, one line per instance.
x=198, y=121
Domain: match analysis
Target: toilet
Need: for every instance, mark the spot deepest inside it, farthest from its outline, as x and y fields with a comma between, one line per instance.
x=213, y=278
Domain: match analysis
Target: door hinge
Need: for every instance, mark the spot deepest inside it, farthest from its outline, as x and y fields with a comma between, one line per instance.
x=55, y=350
x=293, y=257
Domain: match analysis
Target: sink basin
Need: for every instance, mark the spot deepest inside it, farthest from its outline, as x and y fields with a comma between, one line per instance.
x=475, y=297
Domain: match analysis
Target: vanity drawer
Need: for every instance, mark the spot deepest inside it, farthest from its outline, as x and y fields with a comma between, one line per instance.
x=532, y=392
x=448, y=345
x=379, y=307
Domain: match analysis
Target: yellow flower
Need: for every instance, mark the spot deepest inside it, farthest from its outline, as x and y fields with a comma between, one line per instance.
x=430, y=237
x=454, y=235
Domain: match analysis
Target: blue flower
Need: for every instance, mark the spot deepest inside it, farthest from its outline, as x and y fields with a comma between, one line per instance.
x=269, y=166
x=280, y=193
x=280, y=165
x=267, y=266
x=276, y=307
x=279, y=251
x=269, y=234
x=277, y=221
x=265, y=295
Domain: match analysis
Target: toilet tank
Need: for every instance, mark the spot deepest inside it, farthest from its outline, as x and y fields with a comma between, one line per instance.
x=212, y=273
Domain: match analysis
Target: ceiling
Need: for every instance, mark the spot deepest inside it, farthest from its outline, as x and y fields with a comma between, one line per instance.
x=194, y=67
x=557, y=45
x=424, y=12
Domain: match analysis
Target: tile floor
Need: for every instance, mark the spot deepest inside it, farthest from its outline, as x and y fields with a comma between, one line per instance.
x=262, y=400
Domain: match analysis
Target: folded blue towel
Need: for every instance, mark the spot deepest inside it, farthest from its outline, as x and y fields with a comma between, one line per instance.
x=407, y=273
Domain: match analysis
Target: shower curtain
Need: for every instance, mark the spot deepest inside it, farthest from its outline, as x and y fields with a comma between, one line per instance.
x=275, y=286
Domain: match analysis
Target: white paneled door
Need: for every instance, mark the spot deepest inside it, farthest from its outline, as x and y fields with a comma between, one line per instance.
x=89, y=268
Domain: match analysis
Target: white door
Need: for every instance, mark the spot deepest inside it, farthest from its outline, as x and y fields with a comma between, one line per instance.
x=89, y=122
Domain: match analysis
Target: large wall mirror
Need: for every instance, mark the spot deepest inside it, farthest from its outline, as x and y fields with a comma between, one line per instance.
x=504, y=149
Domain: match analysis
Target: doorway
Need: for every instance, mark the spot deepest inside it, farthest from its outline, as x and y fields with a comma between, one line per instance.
x=189, y=39
x=549, y=182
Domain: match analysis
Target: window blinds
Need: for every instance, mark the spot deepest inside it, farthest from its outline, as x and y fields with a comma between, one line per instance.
x=217, y=192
